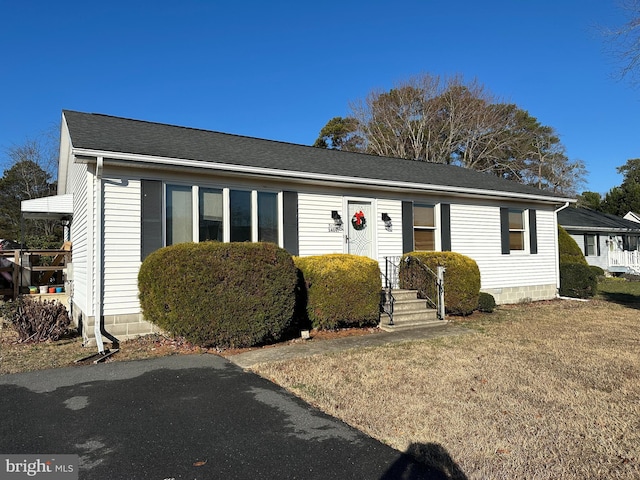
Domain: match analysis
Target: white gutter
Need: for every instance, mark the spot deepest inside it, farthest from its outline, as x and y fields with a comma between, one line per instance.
x=98, y=258
x=557, y=262
x=79, y=153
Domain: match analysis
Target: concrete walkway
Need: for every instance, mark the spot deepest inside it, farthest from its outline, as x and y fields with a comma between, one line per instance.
x=307, y=348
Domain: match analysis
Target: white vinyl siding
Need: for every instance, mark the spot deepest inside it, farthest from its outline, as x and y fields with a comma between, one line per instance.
x=475, y=232
x=314, y=218
x=79, y=181
x=121, y=248
x=389, y=242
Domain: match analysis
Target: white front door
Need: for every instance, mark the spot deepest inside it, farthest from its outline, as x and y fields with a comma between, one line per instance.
x=360, y=228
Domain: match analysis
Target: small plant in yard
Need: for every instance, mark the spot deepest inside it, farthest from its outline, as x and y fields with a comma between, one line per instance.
x=486, y=302
x=36, y=321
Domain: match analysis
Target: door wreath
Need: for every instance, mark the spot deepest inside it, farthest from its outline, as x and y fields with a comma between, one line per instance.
x=358, y=221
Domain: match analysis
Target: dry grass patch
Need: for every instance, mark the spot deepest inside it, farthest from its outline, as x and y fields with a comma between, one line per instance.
x=545, y=390
x=24, y=357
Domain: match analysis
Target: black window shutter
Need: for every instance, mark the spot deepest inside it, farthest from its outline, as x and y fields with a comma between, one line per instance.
x=504, y=230
x=598, y=245
x=445, y=227
x=407, y=227
x=290, y=222
x=533, y=232
x=151, y=228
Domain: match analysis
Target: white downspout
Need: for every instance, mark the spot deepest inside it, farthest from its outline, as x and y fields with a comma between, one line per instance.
x=98, y=258
x=555, y=213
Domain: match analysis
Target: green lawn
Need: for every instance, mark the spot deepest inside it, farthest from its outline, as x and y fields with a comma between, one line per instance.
x=619, y=290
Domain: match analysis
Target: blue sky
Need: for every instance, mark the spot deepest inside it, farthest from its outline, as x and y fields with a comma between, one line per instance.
x=282, y=69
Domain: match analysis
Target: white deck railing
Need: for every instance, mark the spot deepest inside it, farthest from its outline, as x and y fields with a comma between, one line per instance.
x=625, y=259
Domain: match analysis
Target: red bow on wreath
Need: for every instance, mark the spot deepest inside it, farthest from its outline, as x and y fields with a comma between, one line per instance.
x=359, y=216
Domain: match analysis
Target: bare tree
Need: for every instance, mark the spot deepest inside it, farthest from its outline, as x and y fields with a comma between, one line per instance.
x=29, y=172
x=447, y=120
x=625, y=42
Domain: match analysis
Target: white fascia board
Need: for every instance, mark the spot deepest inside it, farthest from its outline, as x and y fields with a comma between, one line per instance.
x=83, y=155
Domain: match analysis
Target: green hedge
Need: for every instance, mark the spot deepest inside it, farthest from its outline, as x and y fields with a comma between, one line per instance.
x=577, y=280
x=342, y=290
x=222, y=294
x=569, y=251
x=461, y=279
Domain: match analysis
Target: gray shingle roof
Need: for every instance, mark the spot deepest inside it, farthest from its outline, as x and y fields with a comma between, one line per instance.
x=113, y=134
x=585, y=219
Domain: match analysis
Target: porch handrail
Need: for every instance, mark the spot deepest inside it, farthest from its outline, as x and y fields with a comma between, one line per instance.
x=18, y=261
x=437, y=280
x=624, y=259
x=391, y=280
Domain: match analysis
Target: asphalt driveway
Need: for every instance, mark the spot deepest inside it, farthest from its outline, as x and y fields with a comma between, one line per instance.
x=185, y=417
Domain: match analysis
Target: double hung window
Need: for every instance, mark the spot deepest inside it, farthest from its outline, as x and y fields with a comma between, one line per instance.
x=516, y=230
x=519, y=230
x=424, y=227
x=590, y=245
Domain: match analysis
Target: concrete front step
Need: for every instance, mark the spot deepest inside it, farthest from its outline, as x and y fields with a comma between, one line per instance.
x=400, y=324
x=406, y=306
x=402, y=295
x=409, y=312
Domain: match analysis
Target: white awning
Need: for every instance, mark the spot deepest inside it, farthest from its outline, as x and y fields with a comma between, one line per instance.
x=53, y=207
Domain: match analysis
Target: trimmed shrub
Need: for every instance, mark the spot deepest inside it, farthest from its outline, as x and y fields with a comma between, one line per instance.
x=486, y=302
x=461, y=279
x=36, y=320
x=220, y=294
x=597, y=271
x=568, y=249
x=577, y=280
x=342, y=290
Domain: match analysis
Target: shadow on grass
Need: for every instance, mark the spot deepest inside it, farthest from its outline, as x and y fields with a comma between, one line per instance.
x=626, y=299
x=434, y=456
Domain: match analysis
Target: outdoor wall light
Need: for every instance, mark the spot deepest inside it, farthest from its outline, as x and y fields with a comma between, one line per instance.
x=337, y=219
x=387, y=222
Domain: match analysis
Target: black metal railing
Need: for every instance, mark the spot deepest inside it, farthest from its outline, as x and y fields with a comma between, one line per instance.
x=430, y=284
x=390, y=280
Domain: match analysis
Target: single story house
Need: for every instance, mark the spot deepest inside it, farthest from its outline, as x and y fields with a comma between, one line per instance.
x=607, y=241
x=138, y=186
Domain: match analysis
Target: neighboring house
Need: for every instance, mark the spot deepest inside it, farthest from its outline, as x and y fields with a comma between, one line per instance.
x=607, y=241
x=138, y=186
x=634, y=217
